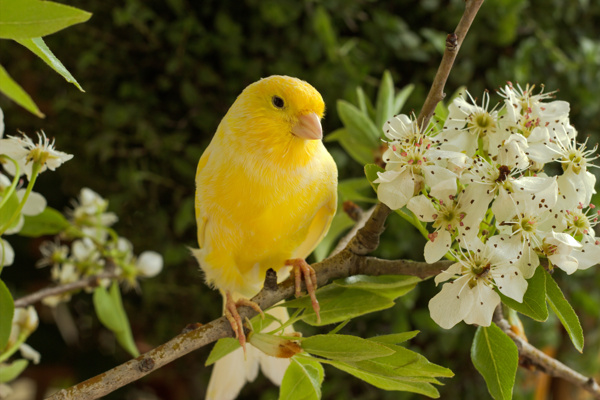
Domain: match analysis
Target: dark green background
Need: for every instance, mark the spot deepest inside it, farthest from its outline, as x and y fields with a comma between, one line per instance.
x=160, y=75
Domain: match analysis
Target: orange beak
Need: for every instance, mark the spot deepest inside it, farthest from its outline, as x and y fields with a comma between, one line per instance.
x=308, y=127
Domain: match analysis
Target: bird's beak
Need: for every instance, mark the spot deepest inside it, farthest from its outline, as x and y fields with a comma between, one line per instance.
x=308, y=127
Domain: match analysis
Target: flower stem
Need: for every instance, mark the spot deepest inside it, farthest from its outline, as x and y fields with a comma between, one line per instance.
x=35, y=171
x=13, y=186
x=12, y=349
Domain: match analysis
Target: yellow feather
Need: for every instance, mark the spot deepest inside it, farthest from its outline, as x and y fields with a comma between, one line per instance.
x=263, y=195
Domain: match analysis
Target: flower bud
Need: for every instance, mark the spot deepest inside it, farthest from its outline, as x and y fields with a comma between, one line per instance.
x=149, y=264
x=273, y=345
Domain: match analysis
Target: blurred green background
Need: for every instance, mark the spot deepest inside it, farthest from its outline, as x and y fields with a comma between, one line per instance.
x=160, y=75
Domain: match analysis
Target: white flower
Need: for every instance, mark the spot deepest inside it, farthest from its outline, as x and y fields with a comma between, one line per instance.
x=575, y=160
x=589, y=254
x=53, y=253
x=30, y=353
x=24, y=320
x=25, y=152
x=1, y=123
x=468, y=123
x=470, y=295
x=447, y=217
x=7, y=254
x=558, y=248
x=412, y=163
x=35, y=204
x=90, y=214
x=149, y=264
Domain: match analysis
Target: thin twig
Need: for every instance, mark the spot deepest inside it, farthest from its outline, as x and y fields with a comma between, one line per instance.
x=90, y=281
x=365, y=216
x=532, y=356
x=350, y=261
x=453, y=43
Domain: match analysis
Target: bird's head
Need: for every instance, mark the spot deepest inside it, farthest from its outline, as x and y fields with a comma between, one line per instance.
x=279, y=110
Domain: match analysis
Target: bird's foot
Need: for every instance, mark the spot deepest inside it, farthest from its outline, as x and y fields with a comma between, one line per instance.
x=232, y=315
x=303, y=269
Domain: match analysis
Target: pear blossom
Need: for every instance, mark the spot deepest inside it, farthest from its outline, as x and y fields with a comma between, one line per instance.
x=468, y=293
x=53, y=254
x=575, y=160
x=149, y=264
x=412, y=163
x=90, y=215
x=467, y=123
x=25, y=152
x=7, y=254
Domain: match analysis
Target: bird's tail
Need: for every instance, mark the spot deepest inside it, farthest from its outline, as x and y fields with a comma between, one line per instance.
x=231, y=372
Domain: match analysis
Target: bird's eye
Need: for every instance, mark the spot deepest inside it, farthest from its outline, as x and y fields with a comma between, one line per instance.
x=277, y=101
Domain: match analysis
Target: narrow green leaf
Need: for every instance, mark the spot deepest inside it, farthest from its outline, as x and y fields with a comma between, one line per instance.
x=496, y=357
x=48, y=222
x=39, y=48
x=105, y=309
x=534, y=300
x=384, y=109
x=344, y=347
x=359, y=152
x=350, y=189
x=124, y=336
x=222, y=348
x=13, y=91
x=371, y=171
x=324, y=29
x=362, y=100
x=395, y=338
x=339, y=304
x=302, y=380
x=109, y=308
x=7, y=310
x=390, y=286
x=8, y=372
x=36, y=18
x=564, y=312
x=401, y=98
x=359, y=125
x=389, y=383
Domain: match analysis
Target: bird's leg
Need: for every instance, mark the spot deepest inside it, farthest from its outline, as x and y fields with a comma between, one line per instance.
x=232, y=315
x=303, y=269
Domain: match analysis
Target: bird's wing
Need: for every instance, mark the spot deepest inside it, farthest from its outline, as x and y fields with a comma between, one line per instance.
x=201, y=216
x=318, y=227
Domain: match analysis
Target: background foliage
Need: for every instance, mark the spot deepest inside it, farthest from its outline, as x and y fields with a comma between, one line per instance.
x=158, y=78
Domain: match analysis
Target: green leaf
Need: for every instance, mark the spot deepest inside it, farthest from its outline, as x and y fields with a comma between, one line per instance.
x=359, y=125
x=344, y=347
x=302, y=380
x=364, y=103
x=564, y=312
x=371, y=171
x=350, y=189
x=325, y=32
x=496, y=357
x=8, y=372
x=109, y=308
x=363, y=154
x=7, y=310
x=48, y=222
x=13, y=91
x=395, y=338
x=222, y=348
x=401, y=98
x=35, y=18
x=341, y=222
x=384, y=109
x=387, y=382
x=392, y=286
x=534, y=299
x=339, y=304
x=39, y=48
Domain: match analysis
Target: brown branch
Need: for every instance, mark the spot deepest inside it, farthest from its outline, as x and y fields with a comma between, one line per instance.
x=349, y=261
x=342, y=265
x=453, y=43
x=532, y=356
x=90, y=281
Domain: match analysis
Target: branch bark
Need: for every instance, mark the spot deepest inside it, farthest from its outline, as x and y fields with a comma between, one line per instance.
x=530, y=355
x=351, y=260
x=90, y=281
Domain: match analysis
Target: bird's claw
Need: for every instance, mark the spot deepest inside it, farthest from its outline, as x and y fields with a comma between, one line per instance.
x=233, y=316
x=303, y=269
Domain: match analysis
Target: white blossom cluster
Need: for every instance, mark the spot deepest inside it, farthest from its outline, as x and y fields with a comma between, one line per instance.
x=502, y=189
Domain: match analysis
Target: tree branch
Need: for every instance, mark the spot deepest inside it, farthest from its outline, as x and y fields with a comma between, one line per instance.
x=453, y=43
x=530, y=355
x=350, y=261
x=90, y=281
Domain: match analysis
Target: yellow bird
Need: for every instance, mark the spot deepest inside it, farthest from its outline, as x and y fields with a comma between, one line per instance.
x=266, y=192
